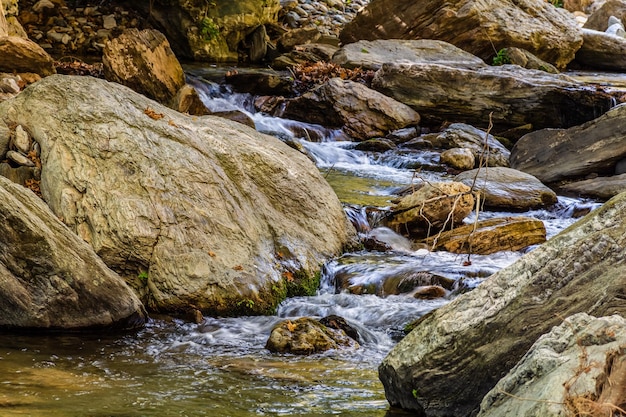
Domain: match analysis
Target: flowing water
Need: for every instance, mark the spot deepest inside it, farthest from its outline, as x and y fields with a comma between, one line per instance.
x=220, y=367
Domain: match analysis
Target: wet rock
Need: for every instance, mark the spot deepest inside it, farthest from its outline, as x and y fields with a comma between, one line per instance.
x=578, y=367
x=335, y=322
x=602, y=188
x=506, y=188
x=23, y=55
x=305, y=336
x=363, y=112
x=430, y=292
x=554, y=154
x=144, y=62
x=430, y=208
x=479, y=28
x=52, y=279
x=188, y=101
x=375, y=145
x=494, y=325
x=412, y=281
x=261, y=82
x=512, y=95
x=458, y=158
x=483, y=146
x=210, y=209
x=491, y=236
x=373, y=54
x=602, y=51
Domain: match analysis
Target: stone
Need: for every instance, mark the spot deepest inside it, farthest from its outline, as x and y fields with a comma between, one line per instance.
x=5, y=138
x=108, y=21
x=490, y=236
x=458, y=158
x=258, y=44
x=19, y=175
x=457, y=353
x=599, y=19
x=508, y=189
x=193, y=212
x=43, y=6
x=602, y=51
x=21, y=140
x=23, y=55
x=476, y=27
x=525, y=59
x=144, y=61
x=264, y=82
x=554, y=154
x=188, y=101
x=51, y=279
x=512, y=95
x=432, y=207
x=373, y=54
x=577, y=368
x=4, y=26
x=601, y=188
x=19, y=159
x=362, y=112
x=305, y=336
x=375, y=145
x=301, y=36
x=9, y=85
x=485, y=147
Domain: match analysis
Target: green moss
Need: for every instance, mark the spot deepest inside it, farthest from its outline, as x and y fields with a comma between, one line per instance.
x=303, y=284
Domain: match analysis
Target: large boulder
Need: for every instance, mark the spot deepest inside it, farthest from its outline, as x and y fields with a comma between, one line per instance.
x=514, y=96
x=195, y=212
x=506, y=188
x=486, y=149
x=144, y=61
x=362, y=112
x=479, y=27
x=210, y=31
x=306, y=335
x=373, y=54
x=456, y=354
x=578, y=368
x=602, y=51
x=599, y=19
x=23, y=55
x=50, y=279
x=4, y=26
x=553, y=154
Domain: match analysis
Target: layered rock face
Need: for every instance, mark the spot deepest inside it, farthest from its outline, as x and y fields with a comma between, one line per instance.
x=456, y=354
x=198, y=213
x=480, y=27
x=49, y=278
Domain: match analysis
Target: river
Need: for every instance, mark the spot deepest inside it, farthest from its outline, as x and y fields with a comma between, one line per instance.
x=220, y=367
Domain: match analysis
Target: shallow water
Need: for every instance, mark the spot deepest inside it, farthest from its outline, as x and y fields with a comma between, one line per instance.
x=220, y=367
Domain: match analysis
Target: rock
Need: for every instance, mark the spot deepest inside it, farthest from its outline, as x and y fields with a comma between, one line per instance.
x=144, y=61
x=525, y=59
x=577, y=368
x=373, y=54
x=264, y=82
x=506, y=188
x=491, y=236
x=411, y=282
x=257, y=42
x=430, y=292
x=192, y=211
x=188, y=101
x=363, y=112
x=602, y=188
x=598, y=20
x=21, y=140
x=109, y=22
x=432, y=207
x=4, y=26
x=553, y=154
x=514, y=96
x=602, y=51
x=302, y=36
x=335, y=322
x=305, y=336
x=5, y=138
x=616, y=27
x=483, y=146
x=19, y=159
x=43, y=6
x=19, y=175
x=9, y=85
x=577, y=5
x=375, y=145
x=456, y=354
x=51, y=279
x=23, y=55
x=458, y=158
x=479, y=28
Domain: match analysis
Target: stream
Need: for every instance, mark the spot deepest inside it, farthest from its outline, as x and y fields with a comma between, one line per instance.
x=220, y=367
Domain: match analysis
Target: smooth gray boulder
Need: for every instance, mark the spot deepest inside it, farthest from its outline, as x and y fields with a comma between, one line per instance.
x=195, y=212
x=506, y=188
x=552, y=154
x=512, y=95
x=456, y=354
x=578, y=368
x=373, y=54
x=50, y=279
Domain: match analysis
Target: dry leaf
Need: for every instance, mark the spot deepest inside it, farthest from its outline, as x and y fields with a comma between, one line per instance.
x=290, y=326
x=288, y=275
x=153, y=114
x=171, y=123
x=238, y=268
x=212, y=254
